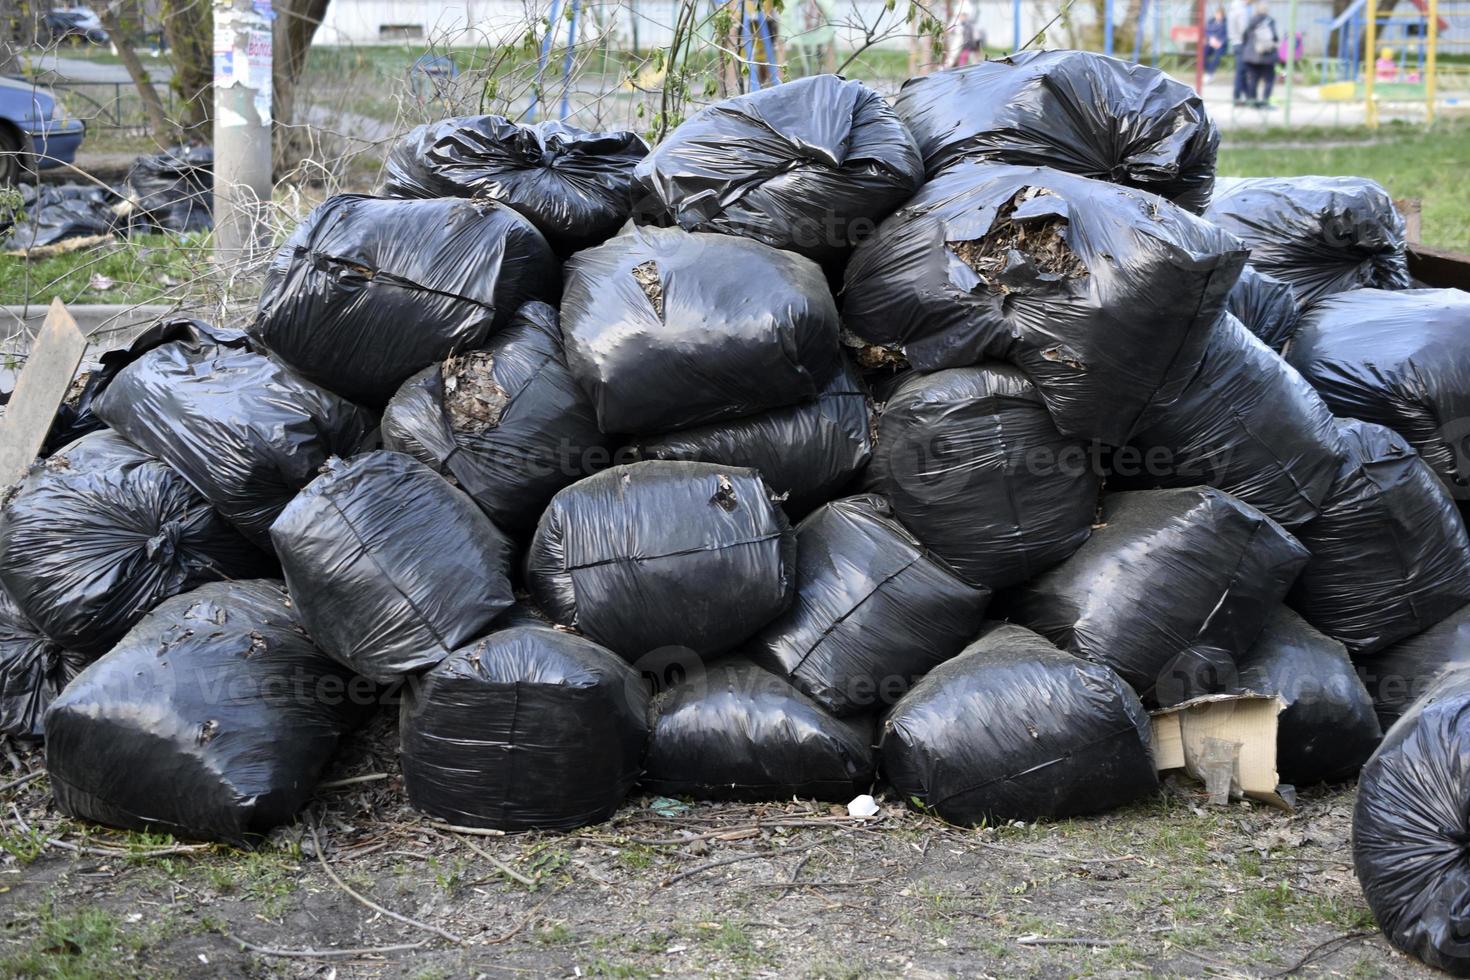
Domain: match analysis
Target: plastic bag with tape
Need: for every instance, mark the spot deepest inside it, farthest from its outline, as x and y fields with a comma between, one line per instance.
x=247, y=433
x=1321, y=234
x=172, y=190
x=101, y=532
x=528, y=729
x=211, y=720
x=1015, y=729
x=1410, y=825
x=1401, y=359
x=972, y=464
x=873, y=611
x=809, y=451
x=367, y=292
x=1076, y=111
x=1266, y=305
x=508, y=424
x=664, y=554
x=1327, y=729
x=812, y=165
x=735, y=732
x=1399, y=675
x=33, y=670
x=1390, y=557
x=667, y=329
x=392, y=568
x=1246, y=423
x=575, y=186
x=1060, y=275
x=1170, y=590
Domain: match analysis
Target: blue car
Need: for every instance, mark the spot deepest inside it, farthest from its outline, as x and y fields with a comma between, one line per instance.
x=36, y=131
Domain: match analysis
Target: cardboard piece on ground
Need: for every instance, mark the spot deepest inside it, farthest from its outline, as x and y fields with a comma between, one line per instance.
x=1228, y=741
x=39, y=392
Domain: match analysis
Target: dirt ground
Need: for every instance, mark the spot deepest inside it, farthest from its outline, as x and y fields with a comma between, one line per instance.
x=1169, y=886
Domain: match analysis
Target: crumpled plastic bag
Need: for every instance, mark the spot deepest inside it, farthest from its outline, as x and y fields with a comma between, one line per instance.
x=1399, y=675
x=1266, y=305
x=33, y=670
x=172, y=190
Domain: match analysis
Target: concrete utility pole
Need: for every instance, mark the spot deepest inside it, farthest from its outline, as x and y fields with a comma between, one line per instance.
x=242, y=127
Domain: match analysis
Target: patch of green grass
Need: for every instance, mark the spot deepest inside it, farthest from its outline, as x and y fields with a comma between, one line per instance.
x=602, y=967
x=143, y=269
x=1407, y=159
x=556, y=934
x=25, y=846
x=82, y=945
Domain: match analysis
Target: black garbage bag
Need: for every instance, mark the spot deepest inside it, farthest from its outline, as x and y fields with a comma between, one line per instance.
x=1015, y=729
x=972, y=464
x=241, y=428
x=873, y=611
x=1247, y=424
x=33, y=670
x=812, y=165
x=212, y=719
x=1389, y=553
x=53, y=214
x=808, y=451
x=1401, y=359
x=1410, y=825
x=1327, y=729
x=102, y=532
x=392, y=568
x=367, y=292
x=1321, y=234
x=575, y=186
x=667, y=329
x=1401, y=674
x=1266, y=305
x=507, y=424
x=1076, y=111
x=528, y=729
x=1058, y=274
x=173, y=190
x=736, y=732
x=664, y=554
x=1170, y=590
x=75, y=417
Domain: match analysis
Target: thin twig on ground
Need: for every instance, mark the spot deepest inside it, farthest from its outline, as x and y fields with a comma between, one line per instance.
x=324, y=953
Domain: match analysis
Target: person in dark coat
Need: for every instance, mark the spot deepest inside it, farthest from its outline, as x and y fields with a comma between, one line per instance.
x=1260, y=49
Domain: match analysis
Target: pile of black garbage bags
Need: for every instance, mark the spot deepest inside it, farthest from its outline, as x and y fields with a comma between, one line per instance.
x=828, y=444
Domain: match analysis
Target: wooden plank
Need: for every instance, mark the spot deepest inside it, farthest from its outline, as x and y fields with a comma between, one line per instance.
x=39, y=392
x=1439, y=267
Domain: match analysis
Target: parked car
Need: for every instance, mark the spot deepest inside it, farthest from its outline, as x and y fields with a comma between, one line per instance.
x=76, y=22
x=36, y=131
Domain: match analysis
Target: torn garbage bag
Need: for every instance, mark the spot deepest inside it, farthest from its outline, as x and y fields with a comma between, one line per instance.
x=664, y=554
x=812, y=166
x=1246, y=423
x=242, y=429
x=1169, y=591
x=1266, y=305
x=873, y=611
x=1321, y=234
x=1410, y=825
x=1058, y=274
x=172, y=190
x=367, y=292
x=391, y=567
x=101, y=532
x=1015, y=729
x=33, y=670
x=1401, y=674
x=575, y=186
x=735, y=732
x=52, y=215
x=1401, y=359
x=1327, y=729
x=1390, y=557
x=667, y=329
x=1076, y=111
x=507, y=424
x=808, y=451
x=211, y=720
x=528, y=729
x=972, y=464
